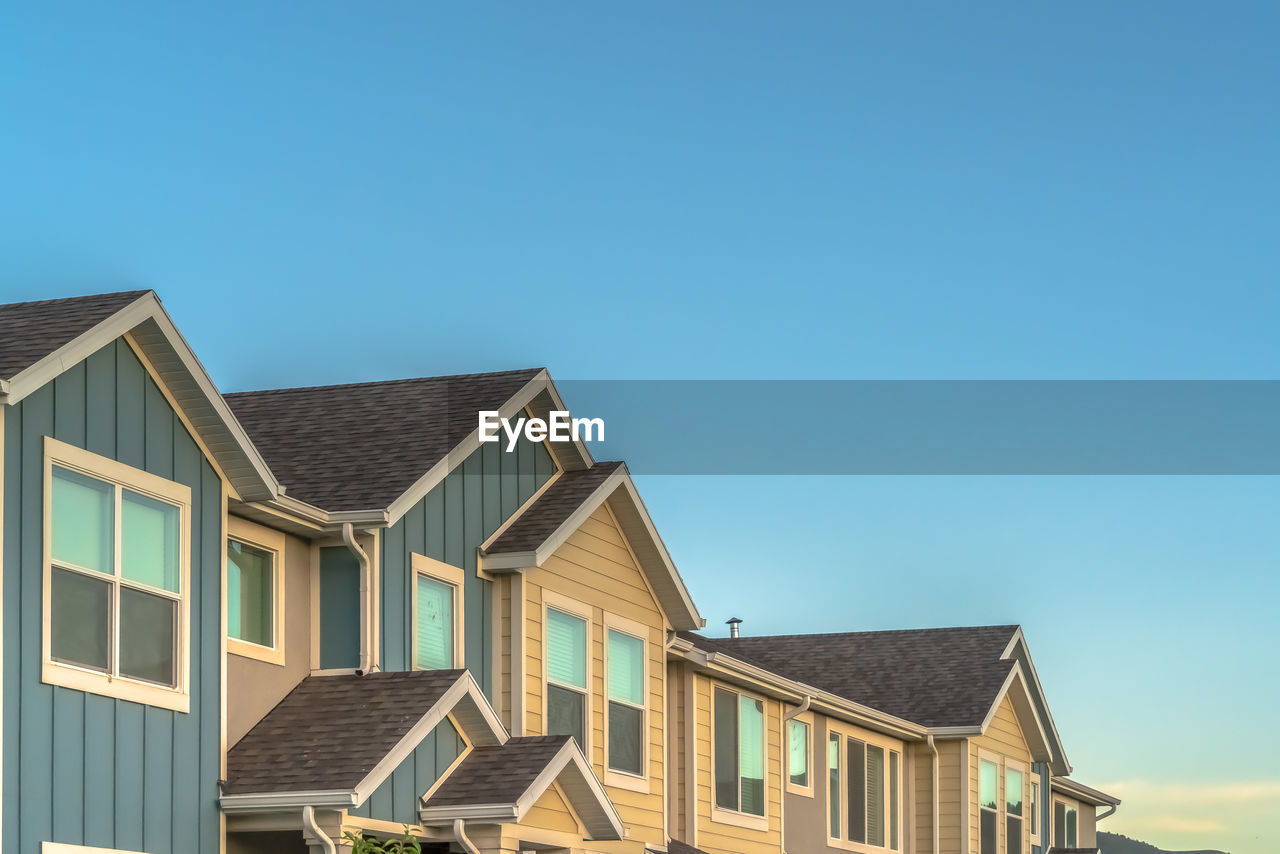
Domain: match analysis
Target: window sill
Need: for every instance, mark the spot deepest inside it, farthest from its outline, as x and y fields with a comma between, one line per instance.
x=245, y=649
x=119, y=688
x=802, y=791
x=861, y=847
x=720, y=815
x=623, y=780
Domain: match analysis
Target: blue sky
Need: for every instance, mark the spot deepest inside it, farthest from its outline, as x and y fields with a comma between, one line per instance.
x=331, y=192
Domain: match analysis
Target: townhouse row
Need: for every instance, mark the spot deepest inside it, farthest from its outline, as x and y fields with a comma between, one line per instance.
x=273, y=621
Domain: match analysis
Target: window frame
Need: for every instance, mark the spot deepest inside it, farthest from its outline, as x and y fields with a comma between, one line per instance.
x=111, y=684
x=552, y=601
x=890, y=746
x=725, y=815
x=615, y=776
x=1025, y=770
x=996, y=760
x=451, y=576
x=268, y=540
x=1032, y=813
x=807, y=721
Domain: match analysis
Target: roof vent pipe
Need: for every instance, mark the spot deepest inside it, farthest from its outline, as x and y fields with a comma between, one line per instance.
x=733, y=622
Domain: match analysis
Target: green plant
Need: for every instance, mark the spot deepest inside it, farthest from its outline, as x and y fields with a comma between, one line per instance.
x=370, y=845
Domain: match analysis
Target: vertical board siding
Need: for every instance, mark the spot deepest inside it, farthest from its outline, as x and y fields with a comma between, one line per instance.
x=449, y=524
x=339, y=608
x=397, y=799
x=84, y=769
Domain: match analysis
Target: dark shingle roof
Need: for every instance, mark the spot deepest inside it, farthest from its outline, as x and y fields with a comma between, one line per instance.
x=498, y=775
x=932, y=677
x=552, y=508
x=330, y=731
x=675, y=846
x=361, y=446
x=29, y=331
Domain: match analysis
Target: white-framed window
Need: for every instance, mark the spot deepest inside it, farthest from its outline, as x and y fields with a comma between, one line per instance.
x=1065, y=824
x=438, y=615
x=1014, y=792
x=864, y=791
x=800, y=756
x=626, y=714
x=567, y=669
x=255, y=591
x=738, y=763
x=1033, y=811
x=988, y=806
x=116, y=598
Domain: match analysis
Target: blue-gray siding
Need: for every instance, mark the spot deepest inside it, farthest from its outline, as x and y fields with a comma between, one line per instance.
x=397, y=799
x=81, y=768
x=449, y=524
x=339, y=608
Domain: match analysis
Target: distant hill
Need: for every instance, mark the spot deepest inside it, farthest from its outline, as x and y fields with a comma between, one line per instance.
x=1114, y=843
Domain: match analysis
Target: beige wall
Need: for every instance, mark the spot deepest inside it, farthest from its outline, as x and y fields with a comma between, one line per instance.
x=254, y=687
x=595, y=571
x=1086, y=823
x=1003, y=742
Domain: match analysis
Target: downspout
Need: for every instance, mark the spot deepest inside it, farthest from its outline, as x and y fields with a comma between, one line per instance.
x=366, y=596
x=933, y=748
x=309, y=824
x=799, y=710
x=1110, y=812
x=460, y=834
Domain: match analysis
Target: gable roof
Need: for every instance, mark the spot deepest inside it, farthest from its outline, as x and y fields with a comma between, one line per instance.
x=544, y=524
x=343, y=735
x=935, y=677
x=40, y=340
x=500, y=784
x=29, y=331
x=361, y=446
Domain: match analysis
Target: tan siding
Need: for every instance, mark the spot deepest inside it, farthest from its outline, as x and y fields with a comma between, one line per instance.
x=950, y=799
x=551, y=813
x=920, y=799
x=1004, y=738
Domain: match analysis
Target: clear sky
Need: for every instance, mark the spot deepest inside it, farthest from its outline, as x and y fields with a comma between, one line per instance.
x=329, y=192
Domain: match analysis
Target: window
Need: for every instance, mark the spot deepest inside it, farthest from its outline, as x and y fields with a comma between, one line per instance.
x=1033, y=811
x=739, y=752
x=566, y=675
x=989, y=806
x=250, y=594
x=116, y=598
x=1013, y=811
x=437, y=615
x=1064, y=825
x=798, y=754
x=1071, y=827
x=625, y=667
x=872, y=787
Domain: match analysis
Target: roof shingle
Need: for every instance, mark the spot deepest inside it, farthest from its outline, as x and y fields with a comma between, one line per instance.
x=552, y=509
x=932, y=677
x=330, y=731
x=361, y=446
x=498, y=775
x=29, y=331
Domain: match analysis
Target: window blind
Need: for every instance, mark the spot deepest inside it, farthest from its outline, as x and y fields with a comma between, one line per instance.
x=435, y=624
x=857, y=776
x=566, y=649
x=798, y=752
x=875, y=795
x=751, y=754
x=626, y=668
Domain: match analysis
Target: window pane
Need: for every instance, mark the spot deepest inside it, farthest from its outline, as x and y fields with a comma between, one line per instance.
x=626, y=668
x=857, y=776
x=82, y=521
x=1013, y=835
x=1059, y=824
x=875, y=795
x=566, y=649
x=798, y=752
x=80, y=619
x=1071, y=827
x=626, y=731
x=726, y=758
x=1033, y=807
x=893, y=800
x=566, y=711
x=987, y=785
x=833, y=784
x=146, y=636
x=987, y=831
x=435, y=624
x=1012, y=792
x=250, y=593
x=751, y=751
x=149, y=541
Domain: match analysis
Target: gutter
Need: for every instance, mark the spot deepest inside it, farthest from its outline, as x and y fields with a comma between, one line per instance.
x=366, y=597
x=1111, y=810
x=309, y=824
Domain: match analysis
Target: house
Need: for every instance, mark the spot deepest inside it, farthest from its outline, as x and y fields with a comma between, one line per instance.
x=271, y=621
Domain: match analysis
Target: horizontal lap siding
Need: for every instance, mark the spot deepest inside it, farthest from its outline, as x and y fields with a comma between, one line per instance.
x=920, y=797
x=952, y=819
x=1003, y=737
x=716, y=836
x=80, y=768
x=448, y=525
x=595, y=567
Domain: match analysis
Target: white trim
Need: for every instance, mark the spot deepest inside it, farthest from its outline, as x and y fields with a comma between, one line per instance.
x=612, y=776
x=64, y=848
x=1024, y=709
x=804, y=719
x=450, y=576
x=274, y=543
x=111, y=683
x=729, y=815
x=1020, y=638
x=572, y=607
